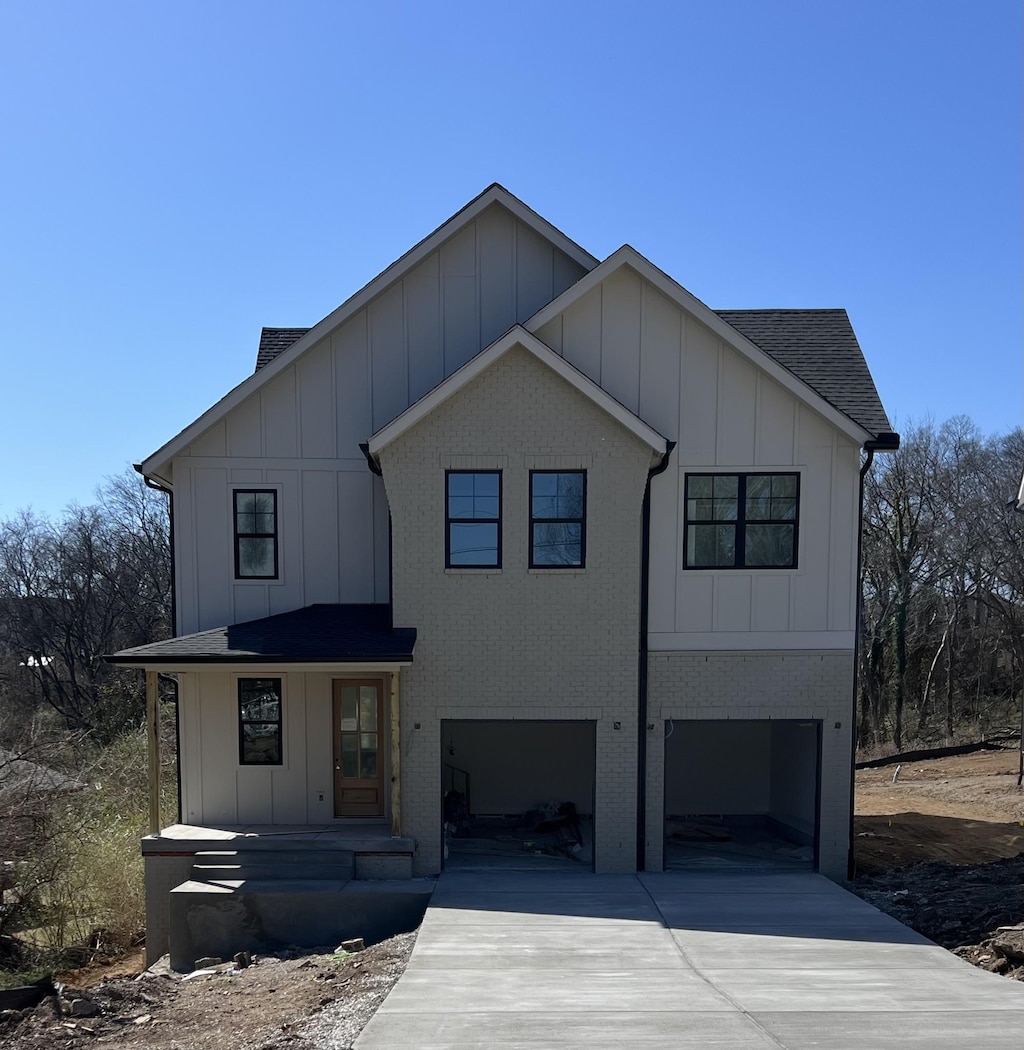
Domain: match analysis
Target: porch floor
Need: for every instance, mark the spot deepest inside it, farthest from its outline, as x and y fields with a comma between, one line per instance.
x=359, y=838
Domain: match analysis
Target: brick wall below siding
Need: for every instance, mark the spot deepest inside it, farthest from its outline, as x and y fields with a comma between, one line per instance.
x=739, y=685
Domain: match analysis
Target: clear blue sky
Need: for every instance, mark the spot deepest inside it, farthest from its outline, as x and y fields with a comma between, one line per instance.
x=175, y=175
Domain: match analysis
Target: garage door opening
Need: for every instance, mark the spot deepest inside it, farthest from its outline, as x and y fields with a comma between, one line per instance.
x=742, y=795
x=518, y=795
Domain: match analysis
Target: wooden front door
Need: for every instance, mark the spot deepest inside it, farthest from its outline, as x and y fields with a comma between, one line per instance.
x=358, y=748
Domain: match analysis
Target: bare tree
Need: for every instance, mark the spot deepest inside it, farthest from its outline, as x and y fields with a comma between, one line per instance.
x=943, y=586
x=72, y=590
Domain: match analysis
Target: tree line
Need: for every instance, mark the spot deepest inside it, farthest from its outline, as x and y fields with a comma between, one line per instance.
x=942, y=615
x=941, y=618
x=96, y=580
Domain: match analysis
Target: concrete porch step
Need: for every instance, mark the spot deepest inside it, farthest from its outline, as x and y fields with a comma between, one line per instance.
x=275, y=864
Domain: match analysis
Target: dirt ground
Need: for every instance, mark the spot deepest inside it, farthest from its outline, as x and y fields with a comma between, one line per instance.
x=301, y=1000
x=941, y=849
x=965, y=809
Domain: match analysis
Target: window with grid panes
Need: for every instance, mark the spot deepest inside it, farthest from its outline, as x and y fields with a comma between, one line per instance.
x=255, y=530
x=742, y=521
x=558, y=519
x=473, y=519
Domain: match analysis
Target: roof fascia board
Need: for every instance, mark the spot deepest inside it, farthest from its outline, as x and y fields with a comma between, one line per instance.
x=261, y=666
x=494, y=194
x=629, y=256
x=516, y=336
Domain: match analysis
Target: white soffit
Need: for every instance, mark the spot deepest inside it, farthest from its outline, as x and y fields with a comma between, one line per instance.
x=516, y=336
x=629, y=256
x=494, y=194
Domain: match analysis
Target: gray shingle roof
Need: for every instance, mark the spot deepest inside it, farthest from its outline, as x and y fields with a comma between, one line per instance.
x=819, y=347
x=315, y=634
x=21, y=778
x=273, y=341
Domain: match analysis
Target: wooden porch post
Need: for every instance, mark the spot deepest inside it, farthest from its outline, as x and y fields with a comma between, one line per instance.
x=396, y=758
x=153, y=740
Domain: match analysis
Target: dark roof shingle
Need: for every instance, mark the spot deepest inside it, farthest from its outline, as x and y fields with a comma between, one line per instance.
x=315, y=634
x=274, y=341
x=819, y=347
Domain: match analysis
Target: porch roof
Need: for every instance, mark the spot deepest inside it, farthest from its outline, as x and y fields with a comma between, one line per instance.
x=317, y=634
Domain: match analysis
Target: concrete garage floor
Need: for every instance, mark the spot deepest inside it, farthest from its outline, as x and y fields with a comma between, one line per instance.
x=675, y=960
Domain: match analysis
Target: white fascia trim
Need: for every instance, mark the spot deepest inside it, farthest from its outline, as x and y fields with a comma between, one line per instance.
x=629, y=256
x=516, y=336
x=248, y=669
x=494, y=194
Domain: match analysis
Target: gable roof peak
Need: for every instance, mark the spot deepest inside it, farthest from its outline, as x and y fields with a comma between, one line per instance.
x=270, y=364
x=516, y=336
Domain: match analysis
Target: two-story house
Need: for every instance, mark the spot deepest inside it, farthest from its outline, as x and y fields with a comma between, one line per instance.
x=517, y=526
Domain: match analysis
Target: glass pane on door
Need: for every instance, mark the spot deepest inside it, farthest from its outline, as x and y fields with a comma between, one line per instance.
x=349, y=709
x=368, y=709
x=368, y=754
x=349, y=755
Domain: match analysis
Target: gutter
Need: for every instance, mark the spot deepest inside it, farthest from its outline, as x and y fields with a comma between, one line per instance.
x=151, y=484
x=886, y=441
x=642, y=728
x=364, y=447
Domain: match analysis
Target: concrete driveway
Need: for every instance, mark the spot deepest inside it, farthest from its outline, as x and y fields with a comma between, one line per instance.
x=680, y=960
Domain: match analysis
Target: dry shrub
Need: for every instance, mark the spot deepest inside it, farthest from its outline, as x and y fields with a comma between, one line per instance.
x=82, y=885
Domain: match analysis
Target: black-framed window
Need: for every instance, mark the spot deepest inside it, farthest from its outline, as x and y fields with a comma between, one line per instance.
x=473, y=519
x=742, y=521
x=259, y=721
x=255, y=526
x=558, y=510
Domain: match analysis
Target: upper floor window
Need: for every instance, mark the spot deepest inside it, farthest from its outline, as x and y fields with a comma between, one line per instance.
x=259, y=721
x=557, y=519
x=473, y=519
x=741, y=521
x=256, y=534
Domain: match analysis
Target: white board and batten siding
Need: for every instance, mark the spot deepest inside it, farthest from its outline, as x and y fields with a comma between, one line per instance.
x=726, y=415
x=300, y=432
x=217, y=789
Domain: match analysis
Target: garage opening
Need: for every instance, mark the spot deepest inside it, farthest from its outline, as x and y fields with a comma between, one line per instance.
x=742, y=795
x=518, y=795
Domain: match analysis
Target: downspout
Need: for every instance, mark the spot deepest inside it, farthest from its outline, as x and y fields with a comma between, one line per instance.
x=1017, y=503
x=885, y=442
x=364, y=447
x=374, y=466
x=641, y=729
x=151, y=484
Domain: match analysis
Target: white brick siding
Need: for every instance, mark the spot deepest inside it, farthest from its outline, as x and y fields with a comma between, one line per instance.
x=517, y=643
x=741, y=685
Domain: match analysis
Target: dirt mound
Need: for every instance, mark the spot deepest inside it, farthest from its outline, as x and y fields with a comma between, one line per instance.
x=300, y=1000
x=951, y=904
x=940, y=846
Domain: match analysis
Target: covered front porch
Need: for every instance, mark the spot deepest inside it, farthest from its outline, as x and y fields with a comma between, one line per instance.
x=378, y=852
x=289, y=757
